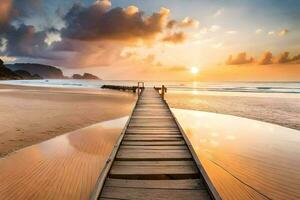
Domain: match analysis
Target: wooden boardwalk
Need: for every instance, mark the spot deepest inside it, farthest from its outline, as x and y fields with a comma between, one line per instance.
x=153, y=160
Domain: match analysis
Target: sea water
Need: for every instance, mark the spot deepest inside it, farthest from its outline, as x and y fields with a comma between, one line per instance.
x=250, y=87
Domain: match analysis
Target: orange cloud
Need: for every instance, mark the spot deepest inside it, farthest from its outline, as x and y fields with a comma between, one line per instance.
x=284, y=58
x=5, y=12
x=266, y=58
x=185, y=23
x=97, y=23
x=175, y=38
x=283, y=32
x=240, y=59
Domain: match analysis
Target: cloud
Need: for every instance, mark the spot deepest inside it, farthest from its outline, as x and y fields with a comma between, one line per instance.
x=7, y=59
x=52, y=37
x=214, y=28
x=218, y=46
x=97, y=23
x=150, y=59
x=5, y=12
x=21, y=40
x=131, y=10
x=175, y=38
x=105, y=4
x=3, y=45
x=258, y=31
x=218, y=12
x=266, y=58
x=172, y=23
x=240, y=59
x=93, y=35
x=271, y=33
x=280, y=33
x=283, y=32
x=26, y=41
x=16, y=10
x=231, y=32
x=285, y=58
x=187, y=22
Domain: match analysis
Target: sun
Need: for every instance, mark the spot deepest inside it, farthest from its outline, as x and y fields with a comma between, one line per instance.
x=194, y=70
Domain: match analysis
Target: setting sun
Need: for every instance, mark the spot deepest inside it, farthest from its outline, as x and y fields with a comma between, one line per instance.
x=194, y=70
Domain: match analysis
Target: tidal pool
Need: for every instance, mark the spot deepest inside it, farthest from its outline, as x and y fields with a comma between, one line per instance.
x=245, y=159
x=65, y=167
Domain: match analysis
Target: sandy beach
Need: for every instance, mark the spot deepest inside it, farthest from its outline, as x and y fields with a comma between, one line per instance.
x=283, y=109
x=29, y=115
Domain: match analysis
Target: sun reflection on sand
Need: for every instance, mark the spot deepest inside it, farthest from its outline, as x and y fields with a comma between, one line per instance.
x=245, y=159
x=65, y=167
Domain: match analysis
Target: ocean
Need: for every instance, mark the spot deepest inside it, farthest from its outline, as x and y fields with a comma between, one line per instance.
x=247, y=87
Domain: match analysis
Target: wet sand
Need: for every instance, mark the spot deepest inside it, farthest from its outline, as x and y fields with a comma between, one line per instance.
x=29, y=115
x=281, y=109
x=64, y=167
x=245, y=159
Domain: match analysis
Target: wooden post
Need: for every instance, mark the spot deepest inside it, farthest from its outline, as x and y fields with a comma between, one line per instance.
x=163, y=92
x=140, y=89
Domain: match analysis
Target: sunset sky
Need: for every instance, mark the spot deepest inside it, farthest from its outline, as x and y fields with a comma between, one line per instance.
x=204, y=40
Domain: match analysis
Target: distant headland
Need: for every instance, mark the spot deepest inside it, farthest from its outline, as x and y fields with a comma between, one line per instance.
x=29, y=71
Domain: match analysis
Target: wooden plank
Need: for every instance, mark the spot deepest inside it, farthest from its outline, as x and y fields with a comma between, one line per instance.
x=173, y=129
x=145, y=121
x=152, y=129
x=158, y=194
x=156, y=136
x=152, y=139
x=149, y=117
x=171, y=143
x=153, y=163
x=133, y=154
x=153, y=123
x=150, y=170
x=188, y=184
x=152, y=126
x=139, y=122
x=140, y=130
x=152, y=133
x=149, y=132
x=128, y=151
x=153, y=147
x=159, y=128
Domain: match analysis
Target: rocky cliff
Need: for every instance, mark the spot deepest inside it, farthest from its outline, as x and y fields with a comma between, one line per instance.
x=85, y=76
x=45, y=71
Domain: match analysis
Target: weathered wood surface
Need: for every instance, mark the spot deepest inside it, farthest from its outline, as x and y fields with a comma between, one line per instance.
x=153, y=160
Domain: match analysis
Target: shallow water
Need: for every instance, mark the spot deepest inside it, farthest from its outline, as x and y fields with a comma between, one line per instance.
x=65, y=167
x=245, y=159
x=222, y=87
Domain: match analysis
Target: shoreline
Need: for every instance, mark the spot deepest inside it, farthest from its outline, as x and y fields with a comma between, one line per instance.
x=283, y=111
x=30, y=115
